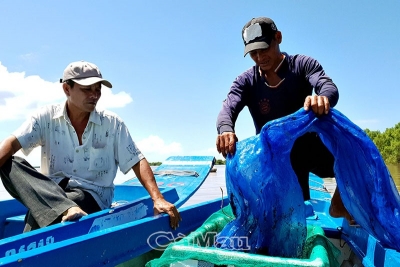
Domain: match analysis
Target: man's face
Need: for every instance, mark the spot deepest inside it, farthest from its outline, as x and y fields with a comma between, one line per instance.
x=85, y=97
x=268, y=59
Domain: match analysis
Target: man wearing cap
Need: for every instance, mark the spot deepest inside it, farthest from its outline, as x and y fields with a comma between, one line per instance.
x=81, y=148
x=278, y=85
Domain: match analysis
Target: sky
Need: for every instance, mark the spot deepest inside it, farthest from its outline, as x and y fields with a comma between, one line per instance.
x=172, y=62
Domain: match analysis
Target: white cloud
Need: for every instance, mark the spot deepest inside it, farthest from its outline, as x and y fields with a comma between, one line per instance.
x=153, y=147
x=28, y=57
x=154, y=144
x=110, y=100
x=20, y=95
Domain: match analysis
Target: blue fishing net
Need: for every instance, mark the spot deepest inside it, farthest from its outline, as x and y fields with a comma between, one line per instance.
x=267, y=199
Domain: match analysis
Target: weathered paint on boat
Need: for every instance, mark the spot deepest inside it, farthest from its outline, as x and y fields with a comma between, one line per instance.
x=107, y=237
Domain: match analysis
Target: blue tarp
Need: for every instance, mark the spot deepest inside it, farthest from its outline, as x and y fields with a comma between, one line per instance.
x=267, y=198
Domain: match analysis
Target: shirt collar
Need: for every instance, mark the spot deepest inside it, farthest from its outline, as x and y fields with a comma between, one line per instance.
x=61, y=111
x=283, y=66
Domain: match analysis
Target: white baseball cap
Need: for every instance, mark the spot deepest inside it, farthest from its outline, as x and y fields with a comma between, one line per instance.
x=84, y=73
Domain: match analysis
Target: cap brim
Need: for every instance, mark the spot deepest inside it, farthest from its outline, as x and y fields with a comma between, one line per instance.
x=92, y=80
x=254, y=46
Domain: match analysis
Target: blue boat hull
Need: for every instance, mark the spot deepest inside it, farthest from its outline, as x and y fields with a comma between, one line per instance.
x=107, y=237
x=365, y=247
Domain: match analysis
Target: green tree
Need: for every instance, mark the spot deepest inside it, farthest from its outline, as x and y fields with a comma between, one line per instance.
x=155, y=163
x=220, y=162
x=388, y=143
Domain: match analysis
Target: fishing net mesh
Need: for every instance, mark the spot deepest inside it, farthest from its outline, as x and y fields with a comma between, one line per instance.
x=267, y=198
x=197, y=249
x=268, y=211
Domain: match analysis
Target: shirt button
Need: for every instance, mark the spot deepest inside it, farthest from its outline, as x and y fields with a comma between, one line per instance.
x=74, y=170
x=77, y=151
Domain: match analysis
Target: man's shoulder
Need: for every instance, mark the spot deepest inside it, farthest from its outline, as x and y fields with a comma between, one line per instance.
x=250, y=71
x=298, y=58
x=299, y=62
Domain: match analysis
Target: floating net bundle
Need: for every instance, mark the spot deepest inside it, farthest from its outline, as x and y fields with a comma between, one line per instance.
x=267, y=199
x=267, y=203
x=197, y=249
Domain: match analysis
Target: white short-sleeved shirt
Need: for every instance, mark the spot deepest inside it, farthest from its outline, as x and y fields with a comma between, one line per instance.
x=106, y=145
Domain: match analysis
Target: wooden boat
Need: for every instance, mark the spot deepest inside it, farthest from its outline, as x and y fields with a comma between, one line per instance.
x=107, y=237
x=334, y=242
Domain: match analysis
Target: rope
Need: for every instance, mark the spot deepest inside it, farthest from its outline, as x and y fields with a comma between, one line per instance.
x=222, y=204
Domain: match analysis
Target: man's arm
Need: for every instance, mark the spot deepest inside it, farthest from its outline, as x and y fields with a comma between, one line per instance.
x=8, y=147
x=322, y=83
x=146, y=177
x=231, y=107
x=327, y=94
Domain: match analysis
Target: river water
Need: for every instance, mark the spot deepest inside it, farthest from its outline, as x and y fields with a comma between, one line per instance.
x=394, y=170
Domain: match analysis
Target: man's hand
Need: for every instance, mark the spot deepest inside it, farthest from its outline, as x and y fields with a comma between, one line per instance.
x=161, y=205
x=73, y=213
x=319, y=104
x=226, y=143
x=146, y=177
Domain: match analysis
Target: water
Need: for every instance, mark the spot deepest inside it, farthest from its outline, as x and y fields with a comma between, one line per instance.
x=213, y=187
x=394, y=170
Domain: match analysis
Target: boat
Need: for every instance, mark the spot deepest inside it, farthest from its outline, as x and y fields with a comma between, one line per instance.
x=145, y=241
x=150, y=241
x=253, y=176
x=332, y=242
x=107, y=237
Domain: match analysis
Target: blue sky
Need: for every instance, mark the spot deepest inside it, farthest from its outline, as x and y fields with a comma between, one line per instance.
x=172, y=62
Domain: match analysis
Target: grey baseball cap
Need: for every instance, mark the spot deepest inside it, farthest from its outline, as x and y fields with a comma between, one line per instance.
x=258, y=34
x=84, y=73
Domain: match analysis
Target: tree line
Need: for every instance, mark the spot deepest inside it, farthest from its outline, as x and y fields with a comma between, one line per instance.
x=388, y=143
